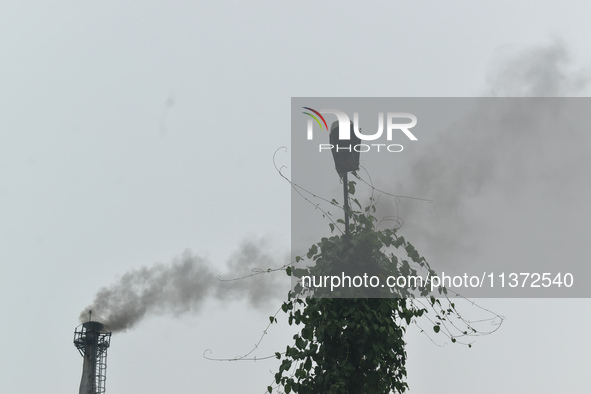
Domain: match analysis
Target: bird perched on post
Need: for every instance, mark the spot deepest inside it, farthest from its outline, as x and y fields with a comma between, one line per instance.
x=346, y=158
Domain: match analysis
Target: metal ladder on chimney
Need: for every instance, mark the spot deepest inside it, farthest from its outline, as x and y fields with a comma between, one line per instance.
x=101, y=367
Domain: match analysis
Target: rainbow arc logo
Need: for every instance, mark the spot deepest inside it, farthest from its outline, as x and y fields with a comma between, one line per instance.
x=315, y=118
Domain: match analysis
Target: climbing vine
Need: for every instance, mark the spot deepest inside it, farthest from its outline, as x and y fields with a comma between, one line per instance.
x=353, y=342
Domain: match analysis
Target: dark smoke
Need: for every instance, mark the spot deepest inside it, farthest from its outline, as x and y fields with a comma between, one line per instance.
x=483, y=155
x=183, y=285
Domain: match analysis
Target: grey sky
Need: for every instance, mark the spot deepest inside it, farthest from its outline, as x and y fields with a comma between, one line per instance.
x=134, y=131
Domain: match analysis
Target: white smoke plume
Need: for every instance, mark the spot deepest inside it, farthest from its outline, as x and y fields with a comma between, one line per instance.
x=185, y=284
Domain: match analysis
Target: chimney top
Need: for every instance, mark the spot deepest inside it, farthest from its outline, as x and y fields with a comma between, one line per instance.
x=93, y=326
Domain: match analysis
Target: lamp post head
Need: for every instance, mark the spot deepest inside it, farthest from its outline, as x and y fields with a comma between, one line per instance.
x=346, y=157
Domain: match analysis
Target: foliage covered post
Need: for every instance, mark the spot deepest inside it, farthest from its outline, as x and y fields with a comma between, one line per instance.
x=350, y=345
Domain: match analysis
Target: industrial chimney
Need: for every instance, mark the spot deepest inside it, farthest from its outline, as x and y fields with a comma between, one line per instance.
x=92, y=340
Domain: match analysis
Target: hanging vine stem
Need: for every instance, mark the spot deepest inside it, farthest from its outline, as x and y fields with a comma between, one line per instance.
x=297, y=189
x=273, y=319
x=370, y=184
x=457, y=333
x=256, y=272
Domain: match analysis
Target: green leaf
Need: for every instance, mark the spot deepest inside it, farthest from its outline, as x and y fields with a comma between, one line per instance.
x=351, y=187
x=436, y=328
x=313, y=250
x=307, y=333
x=299, y=272
x=357, y=202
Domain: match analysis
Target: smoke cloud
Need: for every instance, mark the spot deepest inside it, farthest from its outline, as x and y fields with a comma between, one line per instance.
x=489, y=153
x=545, y=71
x=185, y=284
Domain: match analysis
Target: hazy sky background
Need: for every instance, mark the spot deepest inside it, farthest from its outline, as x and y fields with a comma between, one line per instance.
x=132, y=132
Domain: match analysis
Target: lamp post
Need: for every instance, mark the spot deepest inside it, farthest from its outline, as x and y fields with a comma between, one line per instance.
x=346, y=159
